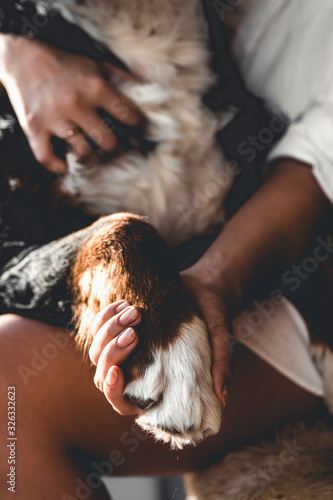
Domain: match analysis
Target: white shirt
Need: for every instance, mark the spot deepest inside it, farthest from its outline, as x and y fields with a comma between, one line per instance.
x=285, y=53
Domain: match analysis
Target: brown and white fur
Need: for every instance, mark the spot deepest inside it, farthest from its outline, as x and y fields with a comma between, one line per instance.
x=169, y=375
x=180, y=187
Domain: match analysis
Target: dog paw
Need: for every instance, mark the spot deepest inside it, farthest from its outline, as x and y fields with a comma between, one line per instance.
x=176, y=391
x=147, y=391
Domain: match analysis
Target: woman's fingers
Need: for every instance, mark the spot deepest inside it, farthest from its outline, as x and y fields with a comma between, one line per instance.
x=112, y=73
x=217, y=321
x=76, y=141
x=43, y=150
x=88, y=120
x=114, y=340
x=220, y=339
x=118, y=105
x=122, y=316
x=113, y=388
x=87, y=123
x=106, y=313
x=115, y=353
x=216, y=315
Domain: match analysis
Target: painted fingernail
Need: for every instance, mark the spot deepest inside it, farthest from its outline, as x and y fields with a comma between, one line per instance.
x=112, y=377
x=126, y=338
x=121, y=307
x=128, y=316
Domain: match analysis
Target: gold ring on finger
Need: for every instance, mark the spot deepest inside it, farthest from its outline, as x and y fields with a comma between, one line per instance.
x=71, y=133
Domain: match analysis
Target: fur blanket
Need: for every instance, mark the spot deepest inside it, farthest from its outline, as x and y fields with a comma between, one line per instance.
x=297, y=465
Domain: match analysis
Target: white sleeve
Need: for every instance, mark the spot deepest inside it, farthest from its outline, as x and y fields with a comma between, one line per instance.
x=310, y=140
x=285, y=53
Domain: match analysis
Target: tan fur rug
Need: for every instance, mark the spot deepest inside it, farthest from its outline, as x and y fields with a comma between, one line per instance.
x=297, y=465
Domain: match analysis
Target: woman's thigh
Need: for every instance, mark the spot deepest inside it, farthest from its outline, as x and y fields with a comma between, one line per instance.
x=60, y=411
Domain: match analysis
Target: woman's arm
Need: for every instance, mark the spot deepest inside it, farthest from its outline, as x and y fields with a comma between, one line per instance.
x=53, y=92
x=270, y=232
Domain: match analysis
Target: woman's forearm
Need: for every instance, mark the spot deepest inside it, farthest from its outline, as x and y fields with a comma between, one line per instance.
x=269, y=232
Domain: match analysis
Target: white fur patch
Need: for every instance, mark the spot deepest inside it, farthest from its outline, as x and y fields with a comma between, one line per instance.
x=180, y=380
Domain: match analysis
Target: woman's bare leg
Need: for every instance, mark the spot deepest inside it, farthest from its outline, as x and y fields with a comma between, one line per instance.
x=60, y=415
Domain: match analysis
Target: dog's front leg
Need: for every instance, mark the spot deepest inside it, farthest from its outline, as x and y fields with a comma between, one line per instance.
x=169, y=374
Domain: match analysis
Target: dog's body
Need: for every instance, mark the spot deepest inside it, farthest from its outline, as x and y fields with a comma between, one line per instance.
x=180, y=186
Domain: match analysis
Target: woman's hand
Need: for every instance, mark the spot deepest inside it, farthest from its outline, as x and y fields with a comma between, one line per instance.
x=114, y=340
x=217, y=303
x=269, y=233
x=54, y=92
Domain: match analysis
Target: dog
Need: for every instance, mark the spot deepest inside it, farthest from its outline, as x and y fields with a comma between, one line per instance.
x=168, y=197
